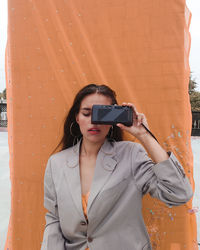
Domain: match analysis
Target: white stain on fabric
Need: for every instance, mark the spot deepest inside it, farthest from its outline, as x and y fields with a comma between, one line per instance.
x=179, y=134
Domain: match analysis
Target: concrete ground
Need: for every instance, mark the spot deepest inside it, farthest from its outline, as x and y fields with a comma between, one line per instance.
x=5, y=186
x=196, y=174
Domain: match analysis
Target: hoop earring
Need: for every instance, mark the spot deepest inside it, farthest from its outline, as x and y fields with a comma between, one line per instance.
x=76, y=140
x=70, y=129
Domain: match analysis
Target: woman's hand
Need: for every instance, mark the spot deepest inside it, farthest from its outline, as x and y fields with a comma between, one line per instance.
x=156, y=152
x=136, y=129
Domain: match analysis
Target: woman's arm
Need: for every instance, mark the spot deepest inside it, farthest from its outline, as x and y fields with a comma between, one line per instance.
x=52, y=238
x=164, y=177
x=156, y=152
x=165, y=180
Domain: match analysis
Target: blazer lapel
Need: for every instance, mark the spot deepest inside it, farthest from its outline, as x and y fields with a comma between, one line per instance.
x=105, y=164
x=72, y=173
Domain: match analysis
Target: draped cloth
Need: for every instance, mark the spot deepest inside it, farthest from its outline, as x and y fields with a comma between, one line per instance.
x=140, y=49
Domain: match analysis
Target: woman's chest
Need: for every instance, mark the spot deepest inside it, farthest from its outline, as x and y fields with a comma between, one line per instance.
x=102, y=184
x=87, y=168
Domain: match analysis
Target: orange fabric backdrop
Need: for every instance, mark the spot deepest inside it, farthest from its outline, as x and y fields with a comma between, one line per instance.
x=139, y=48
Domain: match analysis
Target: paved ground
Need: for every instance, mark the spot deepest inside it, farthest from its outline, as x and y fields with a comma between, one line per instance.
x=5, y=184
x=196, y=199
x=4, y=188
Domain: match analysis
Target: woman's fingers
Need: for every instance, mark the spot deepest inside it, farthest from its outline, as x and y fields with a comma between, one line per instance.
x=135, y=113
x=130, y=105
x=120, y=125
x=143, y=120
x=138, y=118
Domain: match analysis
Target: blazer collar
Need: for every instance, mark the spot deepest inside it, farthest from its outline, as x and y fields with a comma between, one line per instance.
x=73, y=157
x=105, y=165
x=107, y=149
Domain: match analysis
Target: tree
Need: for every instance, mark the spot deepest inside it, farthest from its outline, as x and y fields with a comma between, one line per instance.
x=194, y=95
x=4, y=94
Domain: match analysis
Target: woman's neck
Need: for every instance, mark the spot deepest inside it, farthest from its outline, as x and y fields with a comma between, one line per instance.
x=90, y=149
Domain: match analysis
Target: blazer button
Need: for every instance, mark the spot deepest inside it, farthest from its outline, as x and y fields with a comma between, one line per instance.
x=83, y=223
x=90, y=239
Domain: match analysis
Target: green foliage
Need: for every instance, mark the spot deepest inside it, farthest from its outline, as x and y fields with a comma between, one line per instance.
x=195, y=101
x=194, y=95
x=4, y=94
x=192, y=85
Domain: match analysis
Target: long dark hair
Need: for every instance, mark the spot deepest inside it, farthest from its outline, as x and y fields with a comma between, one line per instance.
x=71, y=127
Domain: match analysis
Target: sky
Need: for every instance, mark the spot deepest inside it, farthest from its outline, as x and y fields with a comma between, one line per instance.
x=194, y=6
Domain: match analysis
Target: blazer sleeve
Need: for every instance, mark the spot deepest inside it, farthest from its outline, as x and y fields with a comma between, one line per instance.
x=165, y=181
x=52, y=238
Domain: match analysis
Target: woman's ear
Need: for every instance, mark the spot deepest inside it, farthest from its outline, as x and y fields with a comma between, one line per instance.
x=77, y=119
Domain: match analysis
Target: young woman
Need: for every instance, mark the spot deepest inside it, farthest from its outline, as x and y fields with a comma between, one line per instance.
x=93, y=187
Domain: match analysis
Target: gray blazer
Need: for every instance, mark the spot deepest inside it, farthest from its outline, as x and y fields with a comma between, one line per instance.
x=123, y=174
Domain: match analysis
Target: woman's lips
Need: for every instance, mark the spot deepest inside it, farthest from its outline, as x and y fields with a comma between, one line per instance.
x=94, y=131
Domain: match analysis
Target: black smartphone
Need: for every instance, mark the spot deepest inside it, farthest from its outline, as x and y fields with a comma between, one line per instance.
x=112, y=114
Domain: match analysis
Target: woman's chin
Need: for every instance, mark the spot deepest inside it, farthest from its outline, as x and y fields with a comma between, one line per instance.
x=95, y=139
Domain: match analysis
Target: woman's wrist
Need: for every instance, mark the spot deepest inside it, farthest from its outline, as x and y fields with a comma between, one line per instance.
x=156, y=152
x=142, y=137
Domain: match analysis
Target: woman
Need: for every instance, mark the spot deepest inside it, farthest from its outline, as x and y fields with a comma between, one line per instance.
x=93, y=187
